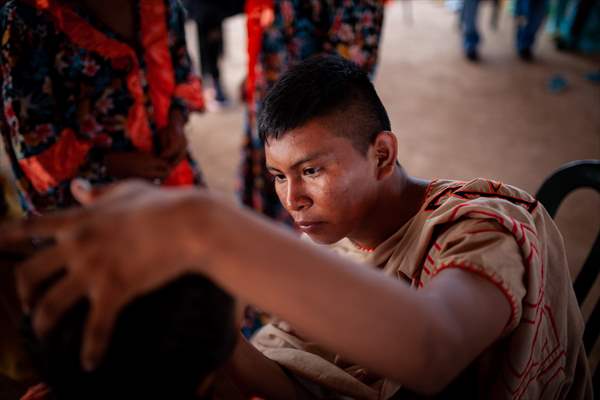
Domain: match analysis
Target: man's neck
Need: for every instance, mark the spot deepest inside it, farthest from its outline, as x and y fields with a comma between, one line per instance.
x=398, y=201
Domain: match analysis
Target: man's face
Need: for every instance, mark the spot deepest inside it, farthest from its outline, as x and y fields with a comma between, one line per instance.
x=322, y=180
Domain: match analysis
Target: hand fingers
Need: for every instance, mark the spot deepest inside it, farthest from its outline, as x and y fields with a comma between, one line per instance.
x=58, y=300
x=81, y=189
x=40, y=267
x=99, y=327
x=44, y=226
x=111, y=194
x=266, y=18
x=39, y=391
x=16, y=253
x=13, y=232
x=87, y=194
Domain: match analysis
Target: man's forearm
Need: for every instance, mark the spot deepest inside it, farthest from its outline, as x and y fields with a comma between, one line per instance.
x=352, y=309
x=318, y=292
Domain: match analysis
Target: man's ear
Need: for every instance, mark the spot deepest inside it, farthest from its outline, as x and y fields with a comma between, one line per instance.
x=385, y=152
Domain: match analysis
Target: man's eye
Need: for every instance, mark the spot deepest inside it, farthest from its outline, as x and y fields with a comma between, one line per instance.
x=311, y=171
x=279, y=178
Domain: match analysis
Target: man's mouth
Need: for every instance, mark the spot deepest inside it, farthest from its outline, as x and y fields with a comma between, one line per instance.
x=309, y=226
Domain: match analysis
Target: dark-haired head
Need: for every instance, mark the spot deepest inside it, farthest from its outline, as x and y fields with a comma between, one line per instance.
x=165, y=345
x=328, y=88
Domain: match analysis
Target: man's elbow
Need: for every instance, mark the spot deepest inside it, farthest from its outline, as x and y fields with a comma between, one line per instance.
x=435, y=369
x=436, y=376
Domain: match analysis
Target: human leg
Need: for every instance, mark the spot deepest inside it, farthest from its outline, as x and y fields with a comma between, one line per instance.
x=469, y=30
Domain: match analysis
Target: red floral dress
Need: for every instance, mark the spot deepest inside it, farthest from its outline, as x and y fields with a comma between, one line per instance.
x=72, y=90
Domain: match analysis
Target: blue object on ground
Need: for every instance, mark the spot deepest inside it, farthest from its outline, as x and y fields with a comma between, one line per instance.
x=557, y=84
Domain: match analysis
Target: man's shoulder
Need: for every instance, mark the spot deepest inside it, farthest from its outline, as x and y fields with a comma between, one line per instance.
x=445, y=193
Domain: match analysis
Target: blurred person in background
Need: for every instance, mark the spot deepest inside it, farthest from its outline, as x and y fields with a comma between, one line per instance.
x=92, y=89
x=529, y=15
x=575, y=25
x=208, y=16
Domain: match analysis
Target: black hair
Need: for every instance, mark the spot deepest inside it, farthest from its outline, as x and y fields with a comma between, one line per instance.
x=164, y=345
x=324, y=86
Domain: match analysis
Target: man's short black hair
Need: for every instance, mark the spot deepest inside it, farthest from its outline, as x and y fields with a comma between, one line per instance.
x=164, y=345
x=329, y=87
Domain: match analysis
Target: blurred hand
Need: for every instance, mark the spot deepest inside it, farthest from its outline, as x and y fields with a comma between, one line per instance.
x=130, y=239
x=37, y=392
x=267, y=17
x=173, y=143
x=135, y=164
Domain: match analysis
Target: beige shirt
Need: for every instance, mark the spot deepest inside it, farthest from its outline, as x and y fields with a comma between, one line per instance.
x=502, y=234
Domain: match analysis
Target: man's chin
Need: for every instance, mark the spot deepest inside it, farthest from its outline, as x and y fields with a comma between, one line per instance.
x=324, y=239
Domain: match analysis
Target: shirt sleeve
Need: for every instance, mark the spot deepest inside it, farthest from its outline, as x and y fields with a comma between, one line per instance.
x=188, y=88
x=485, y=248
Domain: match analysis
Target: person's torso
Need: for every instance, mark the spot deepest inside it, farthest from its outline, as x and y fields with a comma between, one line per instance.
x=540, y=355
x=115, y=93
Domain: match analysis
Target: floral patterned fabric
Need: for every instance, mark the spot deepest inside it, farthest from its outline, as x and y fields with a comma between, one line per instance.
x=300, y=29
x=73, y=90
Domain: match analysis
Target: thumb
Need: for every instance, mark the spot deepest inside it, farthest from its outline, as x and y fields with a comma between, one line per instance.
x=85, y=193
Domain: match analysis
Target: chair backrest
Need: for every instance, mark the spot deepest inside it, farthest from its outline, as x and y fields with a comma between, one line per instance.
x=569, y=177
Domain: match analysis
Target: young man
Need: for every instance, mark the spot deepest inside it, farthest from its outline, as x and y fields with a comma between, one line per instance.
x=462, y=289
x=282, y=33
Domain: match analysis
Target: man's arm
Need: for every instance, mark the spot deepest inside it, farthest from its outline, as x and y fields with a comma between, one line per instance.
x=421, y=339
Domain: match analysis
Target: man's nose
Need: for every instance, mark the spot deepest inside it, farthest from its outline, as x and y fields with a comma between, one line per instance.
x=297, y=198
